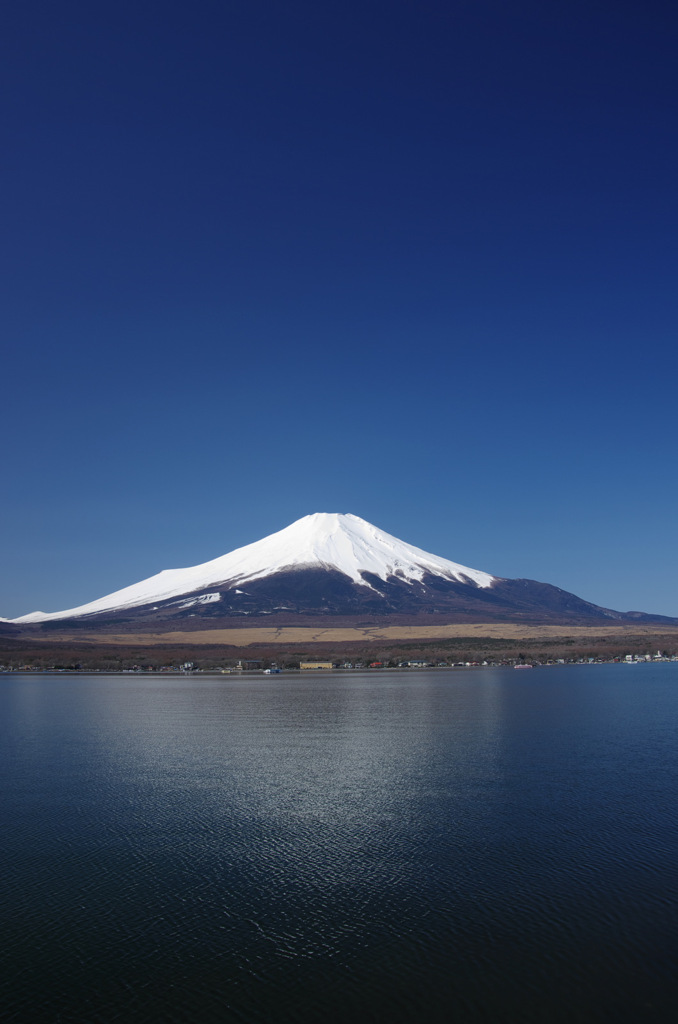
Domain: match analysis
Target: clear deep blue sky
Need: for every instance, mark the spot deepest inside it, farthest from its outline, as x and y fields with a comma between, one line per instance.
x=415, y=261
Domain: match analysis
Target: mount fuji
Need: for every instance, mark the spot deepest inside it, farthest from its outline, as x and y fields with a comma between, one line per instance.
x=330, y=564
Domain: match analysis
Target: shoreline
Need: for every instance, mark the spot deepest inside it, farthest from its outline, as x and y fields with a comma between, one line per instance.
x=492, y=645
x=336, y=670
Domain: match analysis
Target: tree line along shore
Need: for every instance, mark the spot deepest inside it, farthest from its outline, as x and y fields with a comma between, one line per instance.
x=460, y=652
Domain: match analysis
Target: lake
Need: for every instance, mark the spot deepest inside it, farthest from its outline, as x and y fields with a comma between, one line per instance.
x=441, y=845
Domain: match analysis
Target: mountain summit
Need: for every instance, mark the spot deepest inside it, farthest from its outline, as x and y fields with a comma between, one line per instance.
x=332, y=564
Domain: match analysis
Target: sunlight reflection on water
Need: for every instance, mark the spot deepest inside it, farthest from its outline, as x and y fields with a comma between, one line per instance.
x=400, y=846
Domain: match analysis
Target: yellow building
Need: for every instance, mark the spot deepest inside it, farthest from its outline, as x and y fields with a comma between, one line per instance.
x=315, y=664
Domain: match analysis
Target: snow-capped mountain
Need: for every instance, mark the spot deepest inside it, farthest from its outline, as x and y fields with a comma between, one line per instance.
x=331, y=541
x=330, y=564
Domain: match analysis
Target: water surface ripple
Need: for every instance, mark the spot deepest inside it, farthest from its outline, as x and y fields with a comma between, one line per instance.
x=416, y=846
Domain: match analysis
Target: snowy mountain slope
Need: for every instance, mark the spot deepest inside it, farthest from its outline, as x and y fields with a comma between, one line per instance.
x=337, y=543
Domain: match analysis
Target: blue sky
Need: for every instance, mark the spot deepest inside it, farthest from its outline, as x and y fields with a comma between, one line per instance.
x=415, y=262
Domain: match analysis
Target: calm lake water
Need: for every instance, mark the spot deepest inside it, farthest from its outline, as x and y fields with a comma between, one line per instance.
x=446, y=845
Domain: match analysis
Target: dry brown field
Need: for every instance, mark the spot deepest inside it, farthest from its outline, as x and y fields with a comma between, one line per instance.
x=287, y=636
